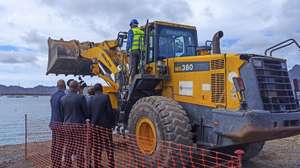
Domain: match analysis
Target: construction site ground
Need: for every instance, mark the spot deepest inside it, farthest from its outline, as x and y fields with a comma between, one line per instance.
x=276, y=154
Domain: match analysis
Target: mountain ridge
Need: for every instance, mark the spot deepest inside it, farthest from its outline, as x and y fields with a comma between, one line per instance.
x=19, y=90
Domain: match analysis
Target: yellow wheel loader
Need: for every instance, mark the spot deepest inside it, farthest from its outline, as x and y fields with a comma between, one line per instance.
x=187, y=93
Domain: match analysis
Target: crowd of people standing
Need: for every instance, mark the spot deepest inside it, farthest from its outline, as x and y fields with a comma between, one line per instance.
x=70, y=112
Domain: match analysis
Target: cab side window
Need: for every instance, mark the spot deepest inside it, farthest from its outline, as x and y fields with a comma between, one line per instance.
x=176, y=42
x=151, y=47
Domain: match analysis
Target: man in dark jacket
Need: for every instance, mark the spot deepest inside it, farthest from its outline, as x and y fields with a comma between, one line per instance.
x=102, y=120
x=74, y=109
x=56, y=124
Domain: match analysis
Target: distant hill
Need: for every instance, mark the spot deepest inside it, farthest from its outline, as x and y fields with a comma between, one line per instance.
x=17, y=90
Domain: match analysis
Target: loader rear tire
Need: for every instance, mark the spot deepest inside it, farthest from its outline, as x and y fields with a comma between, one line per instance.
x=168, y=122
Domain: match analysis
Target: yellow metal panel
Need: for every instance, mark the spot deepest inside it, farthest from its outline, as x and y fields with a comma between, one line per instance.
x=221, y=67
x=175, y=25
x=233, y=65
x=102, y=56
x=151, y=68
x=111, y=92
x=201, y=81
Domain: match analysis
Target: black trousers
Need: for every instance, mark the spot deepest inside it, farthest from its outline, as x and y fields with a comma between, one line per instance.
x=134, y=63
x=57, y=145
x=102, y=140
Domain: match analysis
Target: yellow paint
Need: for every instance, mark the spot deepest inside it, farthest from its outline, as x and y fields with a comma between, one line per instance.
x=112, y=96
x=174, y=25
x=202, y=81
x=203, y=52
x=145, y=132
x=233, y=64
x=108, y=54
x=151, y=68
x=102, y=56
x=170, y=88
x=199, y=78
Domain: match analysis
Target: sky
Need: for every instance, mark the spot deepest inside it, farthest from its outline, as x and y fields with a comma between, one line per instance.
x=249, y=27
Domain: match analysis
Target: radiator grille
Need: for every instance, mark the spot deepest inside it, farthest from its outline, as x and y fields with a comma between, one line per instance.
x=218, y=89
x=275, y=87
x=217, y=64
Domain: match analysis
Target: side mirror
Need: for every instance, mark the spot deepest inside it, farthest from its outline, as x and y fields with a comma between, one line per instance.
x=121, y=37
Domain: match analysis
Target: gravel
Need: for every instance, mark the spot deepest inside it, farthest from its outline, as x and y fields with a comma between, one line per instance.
x=278, y=154
x=12, y=156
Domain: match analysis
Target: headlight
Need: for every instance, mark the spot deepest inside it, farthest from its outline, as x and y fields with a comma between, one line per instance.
x=258, y=63
x=283, y=65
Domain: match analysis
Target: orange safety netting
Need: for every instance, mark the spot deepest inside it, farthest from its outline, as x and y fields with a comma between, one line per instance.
x=85, y=145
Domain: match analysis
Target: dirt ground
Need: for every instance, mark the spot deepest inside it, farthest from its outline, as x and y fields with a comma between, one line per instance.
x=275, y=154
x=283, y=153
x=12, y=156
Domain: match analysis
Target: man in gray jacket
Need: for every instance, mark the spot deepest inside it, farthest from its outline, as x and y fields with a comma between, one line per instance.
x=74, y=109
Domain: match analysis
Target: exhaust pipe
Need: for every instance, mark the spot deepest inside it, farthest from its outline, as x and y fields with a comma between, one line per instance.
x=216, y=42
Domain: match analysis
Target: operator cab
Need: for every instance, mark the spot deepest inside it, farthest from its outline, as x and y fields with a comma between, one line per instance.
x=168, y=40
x=165, y=40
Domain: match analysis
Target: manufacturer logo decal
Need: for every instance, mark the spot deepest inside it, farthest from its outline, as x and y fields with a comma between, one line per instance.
x=191, y=66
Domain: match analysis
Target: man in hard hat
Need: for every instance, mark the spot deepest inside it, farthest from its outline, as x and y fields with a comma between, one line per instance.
x=135, y=46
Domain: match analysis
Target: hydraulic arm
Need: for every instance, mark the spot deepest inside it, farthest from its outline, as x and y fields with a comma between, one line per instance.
x=104, y=59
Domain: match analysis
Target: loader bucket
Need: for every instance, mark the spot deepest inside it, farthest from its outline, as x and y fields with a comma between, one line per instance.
x=64, y=58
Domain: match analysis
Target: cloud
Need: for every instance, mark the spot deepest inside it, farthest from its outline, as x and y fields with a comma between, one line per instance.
x=17, y=57
x=108, y=17
x=35, y=38
x=249, y=27
x=2, y=9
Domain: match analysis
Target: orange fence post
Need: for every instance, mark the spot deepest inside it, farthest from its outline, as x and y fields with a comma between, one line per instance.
x=25, y=148
x=239, y=154
x=89, y=142
x=181, y=156
x=217, y=160
x=230, y=164
x=191, y=156
x=203, y=158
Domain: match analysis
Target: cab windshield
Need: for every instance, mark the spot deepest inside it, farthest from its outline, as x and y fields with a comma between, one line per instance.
x=176, y=42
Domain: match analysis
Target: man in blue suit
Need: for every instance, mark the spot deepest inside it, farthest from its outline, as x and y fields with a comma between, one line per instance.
x=56, y=124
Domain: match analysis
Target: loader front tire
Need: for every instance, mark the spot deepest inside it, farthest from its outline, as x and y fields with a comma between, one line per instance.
x=158, y=119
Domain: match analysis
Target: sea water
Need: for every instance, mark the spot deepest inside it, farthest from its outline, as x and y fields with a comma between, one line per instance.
x=12, y=119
